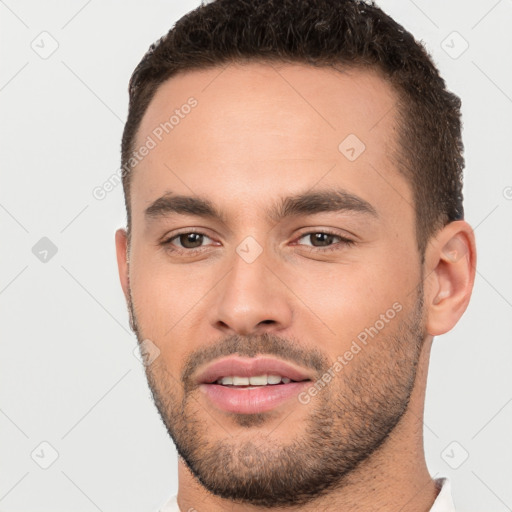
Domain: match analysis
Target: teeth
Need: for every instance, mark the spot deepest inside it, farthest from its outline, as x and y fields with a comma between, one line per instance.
x=257, y=380
x=240, y=381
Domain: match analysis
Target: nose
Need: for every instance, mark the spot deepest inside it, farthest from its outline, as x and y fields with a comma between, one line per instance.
x=252, y=298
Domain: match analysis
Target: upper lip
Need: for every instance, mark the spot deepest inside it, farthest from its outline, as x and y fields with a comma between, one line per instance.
x=250, y=367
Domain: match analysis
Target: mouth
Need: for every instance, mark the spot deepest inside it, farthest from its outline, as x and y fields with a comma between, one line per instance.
x=254, y=381
x=249, y=386
x=260, y=371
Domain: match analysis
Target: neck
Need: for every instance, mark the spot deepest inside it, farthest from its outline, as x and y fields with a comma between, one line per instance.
x=395, y=477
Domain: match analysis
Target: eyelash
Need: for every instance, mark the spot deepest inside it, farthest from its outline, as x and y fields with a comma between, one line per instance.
x=343, y=241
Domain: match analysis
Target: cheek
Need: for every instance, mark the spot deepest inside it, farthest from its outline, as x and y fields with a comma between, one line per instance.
x=343, y=300
x=165, y=294
x=162, y=301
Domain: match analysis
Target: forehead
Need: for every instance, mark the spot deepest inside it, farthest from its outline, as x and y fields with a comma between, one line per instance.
x=244, y=130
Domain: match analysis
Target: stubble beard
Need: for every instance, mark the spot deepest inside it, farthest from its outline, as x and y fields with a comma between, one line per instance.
x=348, y=420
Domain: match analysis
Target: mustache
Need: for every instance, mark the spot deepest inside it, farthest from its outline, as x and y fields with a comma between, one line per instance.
x=251, y=346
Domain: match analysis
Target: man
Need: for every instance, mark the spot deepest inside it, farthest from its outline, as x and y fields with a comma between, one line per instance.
x=295, y=240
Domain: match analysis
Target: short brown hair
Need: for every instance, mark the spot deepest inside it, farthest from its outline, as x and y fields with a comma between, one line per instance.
x=349, y=33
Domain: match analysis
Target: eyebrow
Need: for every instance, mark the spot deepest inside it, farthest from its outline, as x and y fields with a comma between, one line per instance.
x=306, y=203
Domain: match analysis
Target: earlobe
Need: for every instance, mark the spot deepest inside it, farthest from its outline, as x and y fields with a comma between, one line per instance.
x=450, y=259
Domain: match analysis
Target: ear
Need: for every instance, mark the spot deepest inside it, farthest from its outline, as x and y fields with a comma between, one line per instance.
x=122, y=252
x=450, y=266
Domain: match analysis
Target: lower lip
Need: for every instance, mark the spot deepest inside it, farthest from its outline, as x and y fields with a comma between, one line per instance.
x=251, y=401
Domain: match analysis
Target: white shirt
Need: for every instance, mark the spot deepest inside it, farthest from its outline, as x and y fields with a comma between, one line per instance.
x=443, y=503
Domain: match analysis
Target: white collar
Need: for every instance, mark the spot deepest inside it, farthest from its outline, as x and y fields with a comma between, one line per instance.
x=444, y=501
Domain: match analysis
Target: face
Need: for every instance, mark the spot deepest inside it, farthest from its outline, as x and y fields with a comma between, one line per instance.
x=296, y=256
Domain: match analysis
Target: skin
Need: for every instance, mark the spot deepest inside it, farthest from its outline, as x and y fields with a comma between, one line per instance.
x=261, y=132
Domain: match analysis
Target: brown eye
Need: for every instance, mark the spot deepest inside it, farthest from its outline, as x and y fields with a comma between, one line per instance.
x=190, y=240
x=321, y=239
x=325, y=240
x=186, y=242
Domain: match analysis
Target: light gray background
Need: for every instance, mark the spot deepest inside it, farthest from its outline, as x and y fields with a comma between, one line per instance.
x=68, y=373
